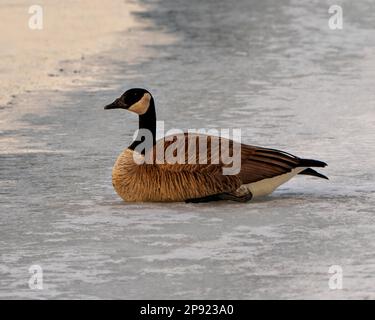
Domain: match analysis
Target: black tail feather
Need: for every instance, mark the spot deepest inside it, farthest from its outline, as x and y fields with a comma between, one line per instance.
x=311, y=163
x=312, y=172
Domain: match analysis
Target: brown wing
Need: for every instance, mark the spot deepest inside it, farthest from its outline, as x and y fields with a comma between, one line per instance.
x=257, y=163
x=182, y=171
x=189, y=152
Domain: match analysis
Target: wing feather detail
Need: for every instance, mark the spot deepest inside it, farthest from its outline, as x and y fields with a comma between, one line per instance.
x=257, y=163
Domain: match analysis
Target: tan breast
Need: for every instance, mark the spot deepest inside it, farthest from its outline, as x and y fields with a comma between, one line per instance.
x=153, y=182
x=125, y=175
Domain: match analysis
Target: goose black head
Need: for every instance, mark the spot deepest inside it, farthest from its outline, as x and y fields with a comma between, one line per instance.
x=136, y=100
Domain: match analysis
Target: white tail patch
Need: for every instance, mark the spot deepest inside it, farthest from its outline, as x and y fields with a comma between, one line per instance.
x=267, y=186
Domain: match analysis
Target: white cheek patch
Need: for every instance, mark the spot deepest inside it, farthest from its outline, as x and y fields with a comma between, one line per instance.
x=142, y=105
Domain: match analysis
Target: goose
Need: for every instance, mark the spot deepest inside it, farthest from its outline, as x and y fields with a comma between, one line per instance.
x=262, y=170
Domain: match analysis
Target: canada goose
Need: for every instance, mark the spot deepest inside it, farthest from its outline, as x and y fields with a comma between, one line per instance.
x=262, y=170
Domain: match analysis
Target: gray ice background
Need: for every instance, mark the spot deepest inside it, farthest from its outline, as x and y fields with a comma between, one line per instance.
x=273, y=69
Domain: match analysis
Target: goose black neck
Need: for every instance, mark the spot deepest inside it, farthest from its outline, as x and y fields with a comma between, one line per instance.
x=147, y=121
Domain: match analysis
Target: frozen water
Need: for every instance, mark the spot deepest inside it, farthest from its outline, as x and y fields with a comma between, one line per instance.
x=273, y=69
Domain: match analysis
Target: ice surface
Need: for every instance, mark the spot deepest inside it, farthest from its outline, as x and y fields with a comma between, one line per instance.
x=273, y=69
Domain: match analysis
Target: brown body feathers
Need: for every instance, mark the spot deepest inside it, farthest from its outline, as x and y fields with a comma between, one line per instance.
x=181, y=182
